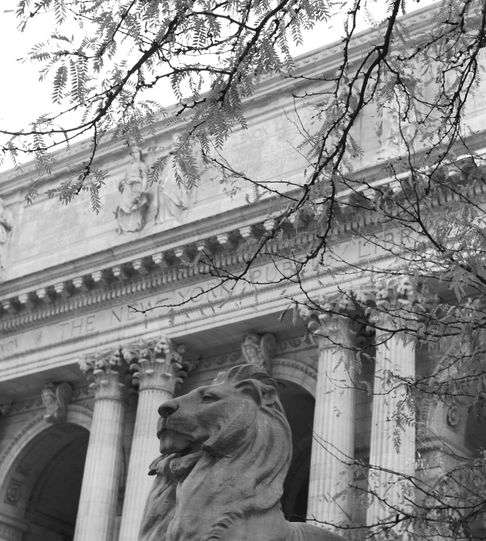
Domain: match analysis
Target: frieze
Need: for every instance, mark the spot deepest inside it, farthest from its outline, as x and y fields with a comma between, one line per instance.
x=284, y=346
x=302, y=367
x=178, y=264
x=35, y=403
x=201, y=300
x=220, y=361
x=308, y=366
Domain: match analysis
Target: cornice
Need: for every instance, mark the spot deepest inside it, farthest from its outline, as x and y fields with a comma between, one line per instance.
x=249, y=217
x=140, y=267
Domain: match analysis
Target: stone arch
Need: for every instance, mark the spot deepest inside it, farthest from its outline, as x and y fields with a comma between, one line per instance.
x=76, y=414
x=37, y=462
x=298, y=398
x=296, y=372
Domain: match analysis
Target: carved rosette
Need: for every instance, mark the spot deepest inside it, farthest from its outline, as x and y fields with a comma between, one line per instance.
x=106, y=370
x=157, y=364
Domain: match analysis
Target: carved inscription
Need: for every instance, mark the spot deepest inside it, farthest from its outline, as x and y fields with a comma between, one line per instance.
x=77, y=327
x=198, y=301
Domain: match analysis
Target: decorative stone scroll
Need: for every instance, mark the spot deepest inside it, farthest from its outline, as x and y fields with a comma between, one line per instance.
x=259, y=350
x=55, y=399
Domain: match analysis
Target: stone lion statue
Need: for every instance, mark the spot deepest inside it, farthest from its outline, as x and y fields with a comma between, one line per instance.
x=226, y=449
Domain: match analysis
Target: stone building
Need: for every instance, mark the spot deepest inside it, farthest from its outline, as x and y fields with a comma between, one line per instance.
x=97, y=308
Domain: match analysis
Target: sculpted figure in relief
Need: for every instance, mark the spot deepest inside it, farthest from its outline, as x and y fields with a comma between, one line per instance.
x=259, y=350
x=5, y=228
x=134, y=199
x=226, y=449
x=172, y=197
x=55, y=399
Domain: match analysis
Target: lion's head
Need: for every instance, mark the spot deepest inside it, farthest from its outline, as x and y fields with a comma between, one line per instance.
x=226, y=448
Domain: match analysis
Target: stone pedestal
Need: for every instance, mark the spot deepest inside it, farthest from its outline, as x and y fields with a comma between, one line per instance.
x=99, y=490
x=157, y=366
x=392, y=446
x=331, y=470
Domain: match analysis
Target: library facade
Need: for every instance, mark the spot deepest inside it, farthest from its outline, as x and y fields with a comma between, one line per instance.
x=105, y=316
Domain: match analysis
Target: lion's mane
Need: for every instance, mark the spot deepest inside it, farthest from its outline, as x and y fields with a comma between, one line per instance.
x=238, y=472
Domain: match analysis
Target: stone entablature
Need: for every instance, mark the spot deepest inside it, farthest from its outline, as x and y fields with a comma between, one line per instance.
x=227, y=249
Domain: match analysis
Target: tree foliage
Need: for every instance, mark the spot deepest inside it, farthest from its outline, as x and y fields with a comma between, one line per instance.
x=418, y=84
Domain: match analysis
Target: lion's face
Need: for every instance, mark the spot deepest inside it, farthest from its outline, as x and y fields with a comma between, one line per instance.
x=203, y=418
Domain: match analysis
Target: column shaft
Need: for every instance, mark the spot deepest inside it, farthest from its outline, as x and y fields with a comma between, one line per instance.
x=331, y=471
x=392, y=446
x=145, y=448
x=99, y=491
x=158, y=368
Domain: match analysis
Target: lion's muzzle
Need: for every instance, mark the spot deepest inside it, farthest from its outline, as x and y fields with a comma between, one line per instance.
x=168, y=407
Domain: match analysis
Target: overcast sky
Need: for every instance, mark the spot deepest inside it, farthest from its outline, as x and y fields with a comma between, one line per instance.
x=24, y=97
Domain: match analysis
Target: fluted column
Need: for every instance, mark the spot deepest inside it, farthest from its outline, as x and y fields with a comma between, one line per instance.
x=158, y=366
x=99, y=490
x=331, y=470
x=392, y=445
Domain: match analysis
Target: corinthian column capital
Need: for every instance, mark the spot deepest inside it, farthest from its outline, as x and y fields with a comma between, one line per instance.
x=397, y=304
x=336, y=324
x=157, y=364
x=105, y=369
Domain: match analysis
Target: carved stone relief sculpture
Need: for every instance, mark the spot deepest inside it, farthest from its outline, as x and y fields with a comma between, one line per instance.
x=226, y=449
x=6, y=227
x=5, y=407
x=134, y=198
x=55, y=399
x=172, y=198
x=259, y=349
